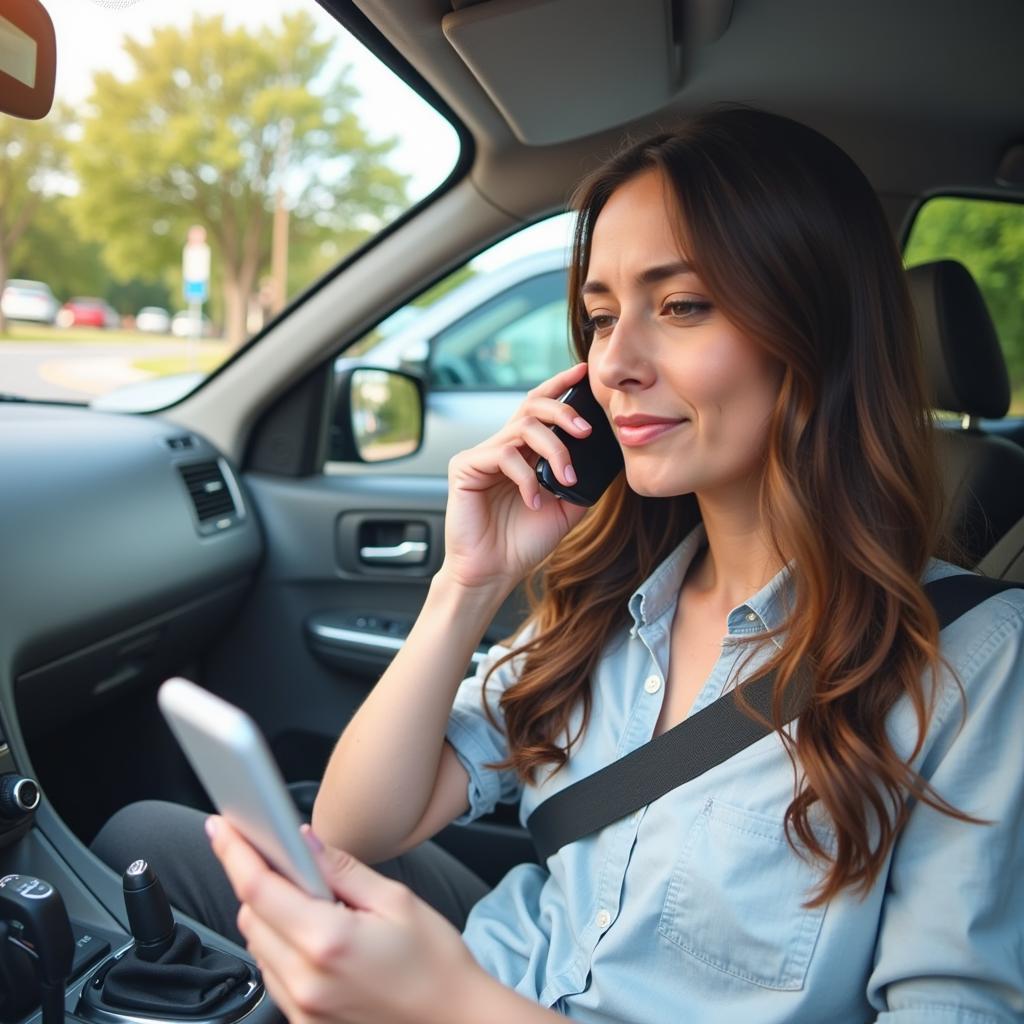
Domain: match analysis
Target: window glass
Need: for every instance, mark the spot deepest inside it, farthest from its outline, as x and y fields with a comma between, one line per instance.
x=480, y=338
x=205, y=163
x=514, y=340
x=987, y=237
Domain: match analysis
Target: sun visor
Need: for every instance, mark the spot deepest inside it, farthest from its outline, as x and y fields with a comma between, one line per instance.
x=562, y=69
x=28, y=59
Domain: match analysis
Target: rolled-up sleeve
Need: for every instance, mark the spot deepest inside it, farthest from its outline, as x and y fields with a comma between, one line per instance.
x=951, y=942
x=477, y=741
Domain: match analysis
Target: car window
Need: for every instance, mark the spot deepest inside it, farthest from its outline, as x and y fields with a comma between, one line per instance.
x=514, y=340
x=204, y=164
x=987, y=237
x=479, y=338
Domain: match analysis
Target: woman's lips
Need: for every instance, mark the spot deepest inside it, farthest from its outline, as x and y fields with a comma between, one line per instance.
x=644, y=433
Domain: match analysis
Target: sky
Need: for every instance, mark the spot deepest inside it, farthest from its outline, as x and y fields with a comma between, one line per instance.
x=89, y=35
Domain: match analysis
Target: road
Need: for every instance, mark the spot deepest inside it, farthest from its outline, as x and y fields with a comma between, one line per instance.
x=77, y=371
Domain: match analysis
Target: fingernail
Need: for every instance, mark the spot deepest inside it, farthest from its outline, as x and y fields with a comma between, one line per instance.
x=570, y=475
x=211, y=826
x=536, y=501
x=312, y=839
x=580, y=423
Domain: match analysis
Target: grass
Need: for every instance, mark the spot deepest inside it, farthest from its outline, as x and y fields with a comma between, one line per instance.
x=25, y=332
x=205, y=361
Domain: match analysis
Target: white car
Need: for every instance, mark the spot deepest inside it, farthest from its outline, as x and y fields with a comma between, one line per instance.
x=479, y=349
x=182, y=326
x=29, y=300
x=153, y=320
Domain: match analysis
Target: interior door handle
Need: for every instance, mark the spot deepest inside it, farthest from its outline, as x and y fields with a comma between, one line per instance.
x=409, y=552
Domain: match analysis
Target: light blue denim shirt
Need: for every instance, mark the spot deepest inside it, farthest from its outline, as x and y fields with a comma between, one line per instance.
x=690, y=910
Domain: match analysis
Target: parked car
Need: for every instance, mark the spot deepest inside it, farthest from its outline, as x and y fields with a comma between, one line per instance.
x=153, y=320
x=87, y=312
x=479, y=348
x=29, y=300
x=183, y=326
x=228, y=534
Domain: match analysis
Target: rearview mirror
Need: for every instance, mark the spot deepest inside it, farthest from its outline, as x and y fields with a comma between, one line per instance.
x=378, y=415
x=28, y=59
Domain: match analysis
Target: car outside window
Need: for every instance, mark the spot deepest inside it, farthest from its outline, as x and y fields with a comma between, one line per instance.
x=515, y=340
x=987, y=237
x=480, y=339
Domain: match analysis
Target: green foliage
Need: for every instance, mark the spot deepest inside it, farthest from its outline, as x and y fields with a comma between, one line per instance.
x=53, y=251
x=988, y=238
x=33, y=157
x=33, y=161
x=211, y=123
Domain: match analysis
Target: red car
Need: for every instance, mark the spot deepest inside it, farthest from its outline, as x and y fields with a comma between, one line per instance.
x=87, y=312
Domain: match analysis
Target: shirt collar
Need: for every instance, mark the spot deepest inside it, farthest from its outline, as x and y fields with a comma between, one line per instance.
x=658, y=594
x=660, y=590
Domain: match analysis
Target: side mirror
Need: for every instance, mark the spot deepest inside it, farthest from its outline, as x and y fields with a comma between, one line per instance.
x=28, y=59
x=378, y=415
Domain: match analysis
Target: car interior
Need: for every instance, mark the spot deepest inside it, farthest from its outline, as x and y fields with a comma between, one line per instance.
x=219, y=539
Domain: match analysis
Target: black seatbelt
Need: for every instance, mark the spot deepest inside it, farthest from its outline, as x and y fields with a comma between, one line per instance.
x=702, y=741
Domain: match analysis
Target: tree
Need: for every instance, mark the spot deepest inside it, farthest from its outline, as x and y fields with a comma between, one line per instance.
x=211, y=121
x=52, y=250
x=988, y=238
x=33, y=157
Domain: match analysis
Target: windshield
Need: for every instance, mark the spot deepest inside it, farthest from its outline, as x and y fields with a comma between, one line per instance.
x=204, y=163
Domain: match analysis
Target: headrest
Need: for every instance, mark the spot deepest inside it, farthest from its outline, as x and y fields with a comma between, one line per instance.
x=964, y=365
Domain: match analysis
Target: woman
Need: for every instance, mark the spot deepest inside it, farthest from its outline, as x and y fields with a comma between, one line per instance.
x=739, y=307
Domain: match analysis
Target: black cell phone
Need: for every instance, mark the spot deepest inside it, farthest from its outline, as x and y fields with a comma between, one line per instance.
x=596, y=458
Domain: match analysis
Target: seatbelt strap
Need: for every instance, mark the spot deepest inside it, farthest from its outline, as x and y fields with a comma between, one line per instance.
x=702, y=741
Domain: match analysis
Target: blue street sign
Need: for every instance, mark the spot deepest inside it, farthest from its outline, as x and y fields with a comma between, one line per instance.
x=195, y=291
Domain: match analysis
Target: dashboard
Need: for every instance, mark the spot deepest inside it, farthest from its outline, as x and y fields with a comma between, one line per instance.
x=124, y=540
x=126, y=544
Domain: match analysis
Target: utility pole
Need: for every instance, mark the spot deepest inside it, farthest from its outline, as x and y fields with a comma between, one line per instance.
x=279, y=236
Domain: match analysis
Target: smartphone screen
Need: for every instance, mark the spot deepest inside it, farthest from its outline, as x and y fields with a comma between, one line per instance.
x=597, y=458
x=234, y=764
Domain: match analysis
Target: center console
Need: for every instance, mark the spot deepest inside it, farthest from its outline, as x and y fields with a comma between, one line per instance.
x=79, y=944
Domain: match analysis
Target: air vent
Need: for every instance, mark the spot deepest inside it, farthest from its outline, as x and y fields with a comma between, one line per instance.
x=179, y=442
x=211, y=495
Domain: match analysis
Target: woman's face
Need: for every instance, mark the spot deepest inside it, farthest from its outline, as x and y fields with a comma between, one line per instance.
x=688, y=396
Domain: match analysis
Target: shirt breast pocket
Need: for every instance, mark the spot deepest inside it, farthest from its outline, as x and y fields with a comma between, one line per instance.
x=735, y=899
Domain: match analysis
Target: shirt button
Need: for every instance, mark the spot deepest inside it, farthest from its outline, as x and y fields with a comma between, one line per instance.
x=751, y=617
x=603, y=919
x=653, y=684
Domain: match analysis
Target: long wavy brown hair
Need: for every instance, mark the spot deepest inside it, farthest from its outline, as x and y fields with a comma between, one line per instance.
x=789, y=239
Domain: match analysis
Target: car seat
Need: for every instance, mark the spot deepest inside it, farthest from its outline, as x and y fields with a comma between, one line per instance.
x=983, y=474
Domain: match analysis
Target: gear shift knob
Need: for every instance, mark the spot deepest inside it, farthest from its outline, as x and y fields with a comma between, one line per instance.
x=38, y=923
x=149, y=913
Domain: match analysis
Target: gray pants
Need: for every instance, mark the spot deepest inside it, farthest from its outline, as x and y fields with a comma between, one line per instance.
x=172, y=839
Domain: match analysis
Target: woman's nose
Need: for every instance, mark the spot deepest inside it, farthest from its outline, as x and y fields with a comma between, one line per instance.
x=620, y=361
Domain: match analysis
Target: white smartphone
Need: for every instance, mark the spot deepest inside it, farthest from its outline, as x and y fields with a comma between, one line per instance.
x=232, y=759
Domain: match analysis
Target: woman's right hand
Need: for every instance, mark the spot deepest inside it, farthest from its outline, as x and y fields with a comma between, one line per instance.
x=500, y=523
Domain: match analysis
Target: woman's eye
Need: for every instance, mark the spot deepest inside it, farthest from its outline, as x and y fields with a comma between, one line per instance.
x=600, y=322
x=686, y=309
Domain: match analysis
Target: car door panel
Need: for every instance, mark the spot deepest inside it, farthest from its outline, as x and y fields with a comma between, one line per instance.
x=321, y=625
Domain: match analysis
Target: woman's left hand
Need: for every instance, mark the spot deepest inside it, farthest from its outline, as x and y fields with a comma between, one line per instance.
x=381, y=956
